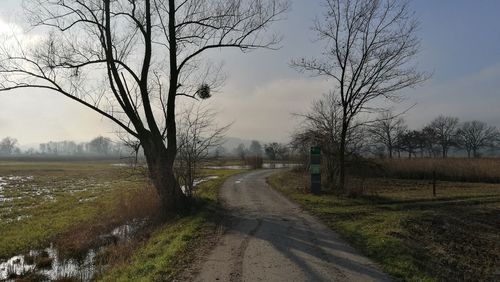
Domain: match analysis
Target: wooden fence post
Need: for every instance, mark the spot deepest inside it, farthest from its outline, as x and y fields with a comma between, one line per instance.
x=434, y=183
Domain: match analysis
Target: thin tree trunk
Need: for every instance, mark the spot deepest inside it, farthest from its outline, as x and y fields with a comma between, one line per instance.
x=342, y=151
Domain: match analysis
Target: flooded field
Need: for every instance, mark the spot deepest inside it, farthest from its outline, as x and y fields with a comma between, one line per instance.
x=38, y=201
x=48, y=264
x=41, y=201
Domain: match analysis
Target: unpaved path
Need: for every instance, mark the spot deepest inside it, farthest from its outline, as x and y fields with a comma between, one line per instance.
x=269, y=238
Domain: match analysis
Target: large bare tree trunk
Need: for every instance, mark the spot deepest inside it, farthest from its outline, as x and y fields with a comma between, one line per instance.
x=160, y=166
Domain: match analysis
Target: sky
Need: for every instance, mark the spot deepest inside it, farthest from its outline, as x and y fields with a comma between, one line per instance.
x=460, y=47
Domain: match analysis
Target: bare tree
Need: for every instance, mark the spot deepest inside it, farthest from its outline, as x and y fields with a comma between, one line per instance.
x=322, y=126
x=271, y=150
x=386, y=130
x=283, y=152
x=130, y=60
x=241, y=151
x=197, y=135
x=409, y=141
x=8, y=146
x=475, y=135
x=443, y=130
x=369, y=49
x=275, y=151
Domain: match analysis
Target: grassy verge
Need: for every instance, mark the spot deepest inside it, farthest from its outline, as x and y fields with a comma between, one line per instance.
x=414, y=236
x=172, y=245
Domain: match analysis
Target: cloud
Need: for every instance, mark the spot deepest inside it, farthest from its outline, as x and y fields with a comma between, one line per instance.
x=475, y=96
x=265, y=112
x=40, y=116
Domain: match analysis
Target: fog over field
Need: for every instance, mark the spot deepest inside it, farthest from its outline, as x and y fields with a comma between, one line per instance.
x=261, y=90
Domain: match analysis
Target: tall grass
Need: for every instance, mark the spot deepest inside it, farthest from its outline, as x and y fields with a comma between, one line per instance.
x=451, y=169
x=133, y=204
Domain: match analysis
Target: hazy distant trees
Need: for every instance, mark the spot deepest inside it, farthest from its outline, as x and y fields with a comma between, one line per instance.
x=475, y=135
x=241, y=151
x=219, y=151
x=255, y=149
x=369, y=52
x=130, y=61
x=8, y=146
x=100, y=146
x=276, y=151
x=439, y=136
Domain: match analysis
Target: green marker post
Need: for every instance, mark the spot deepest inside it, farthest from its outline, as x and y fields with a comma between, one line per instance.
x=315, y=170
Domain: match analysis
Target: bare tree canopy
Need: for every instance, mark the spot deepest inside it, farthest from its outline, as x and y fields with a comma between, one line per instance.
x=322, y=126
x=370, y=47
x=130, y=60
x=386, y=130
x=198, y=133
x=443, y=131
x=8, y=146
x=475, y=135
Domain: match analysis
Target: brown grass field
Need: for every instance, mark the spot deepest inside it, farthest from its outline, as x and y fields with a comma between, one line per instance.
x=451, y=169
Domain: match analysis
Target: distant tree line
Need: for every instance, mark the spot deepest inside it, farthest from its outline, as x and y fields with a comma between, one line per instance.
x=98, y=146
x=391, y=136
x=274, y=151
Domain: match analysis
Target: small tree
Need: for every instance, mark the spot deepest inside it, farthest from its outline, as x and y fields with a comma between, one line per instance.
x=369, y=49
x=197, y=135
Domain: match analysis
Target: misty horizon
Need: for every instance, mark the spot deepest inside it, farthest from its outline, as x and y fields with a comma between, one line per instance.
x=262, y=92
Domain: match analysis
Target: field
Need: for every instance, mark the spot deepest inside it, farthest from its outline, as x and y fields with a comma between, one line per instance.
x=70, y=207
x=450, y=169
x=413, y=235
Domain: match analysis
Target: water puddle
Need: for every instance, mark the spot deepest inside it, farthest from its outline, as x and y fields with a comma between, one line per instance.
x=14, y=182
x=47, y=264
x=198, y=181
x=265, y=165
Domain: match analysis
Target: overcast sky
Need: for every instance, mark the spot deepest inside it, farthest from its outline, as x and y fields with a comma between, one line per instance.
x=460, y=46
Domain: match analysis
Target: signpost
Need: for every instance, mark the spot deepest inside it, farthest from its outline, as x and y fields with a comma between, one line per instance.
x=315, y=170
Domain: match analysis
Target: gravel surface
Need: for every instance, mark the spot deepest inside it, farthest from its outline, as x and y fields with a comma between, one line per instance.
x=269, y=238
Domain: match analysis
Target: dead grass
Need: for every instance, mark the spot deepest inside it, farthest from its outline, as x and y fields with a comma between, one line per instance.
x=451, y=169
x=135, y=204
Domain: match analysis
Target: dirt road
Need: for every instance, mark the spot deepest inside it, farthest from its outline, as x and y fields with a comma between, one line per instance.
x=271, y=239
